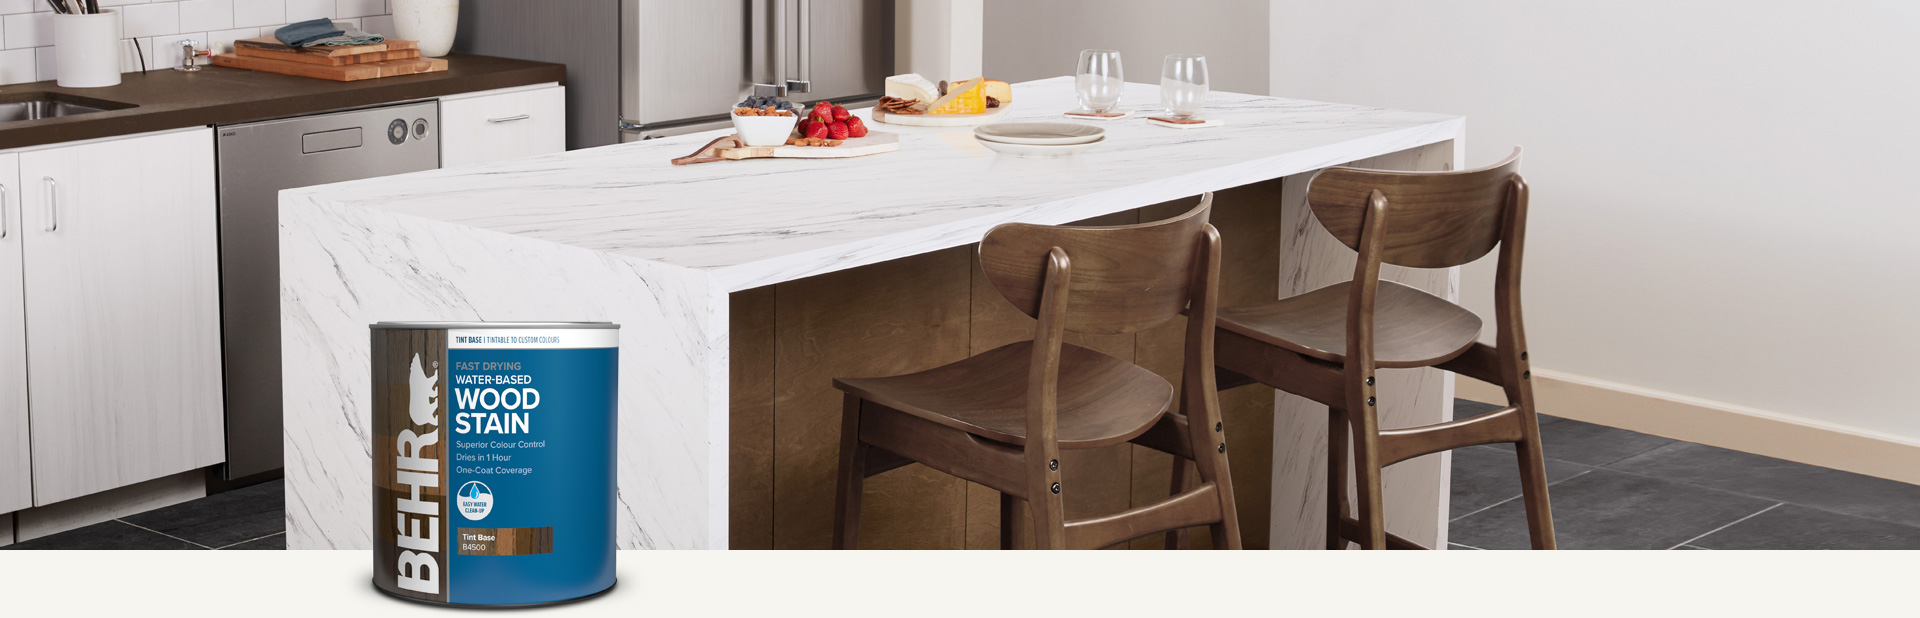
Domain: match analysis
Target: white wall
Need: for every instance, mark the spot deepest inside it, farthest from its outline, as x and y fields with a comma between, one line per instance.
x=1722, y=191
x=26, y=32
x=1033, y=39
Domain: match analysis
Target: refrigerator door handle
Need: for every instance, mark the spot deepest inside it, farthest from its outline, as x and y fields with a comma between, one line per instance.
x=805, y=83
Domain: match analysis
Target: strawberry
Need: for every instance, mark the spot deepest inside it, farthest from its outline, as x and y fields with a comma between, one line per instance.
x=856, y=128
x=837, y=130
x=840, y=113
x=805, y=125
x=823, y=111
x=818, y=130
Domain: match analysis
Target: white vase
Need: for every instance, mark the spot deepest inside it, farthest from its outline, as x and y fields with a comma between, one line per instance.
x=430, y=23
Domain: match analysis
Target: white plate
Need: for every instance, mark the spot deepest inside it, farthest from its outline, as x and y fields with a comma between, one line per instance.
x=1040, y=133
x=1031, y=151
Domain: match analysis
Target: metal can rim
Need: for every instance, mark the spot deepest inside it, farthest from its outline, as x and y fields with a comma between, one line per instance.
x=490, y=325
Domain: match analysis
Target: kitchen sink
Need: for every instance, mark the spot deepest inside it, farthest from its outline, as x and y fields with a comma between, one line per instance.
x=40, y=105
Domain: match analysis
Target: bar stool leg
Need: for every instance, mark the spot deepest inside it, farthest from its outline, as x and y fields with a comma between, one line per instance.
x=1336, y=477
x=1366, y=468
x=853, y=475
x=1182, y=481
x=1533, y=483
x=1009, y=521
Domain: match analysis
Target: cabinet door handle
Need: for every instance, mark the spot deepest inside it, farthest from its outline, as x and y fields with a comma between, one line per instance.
x=509, y=119
x=3, y=211
x=53, y=204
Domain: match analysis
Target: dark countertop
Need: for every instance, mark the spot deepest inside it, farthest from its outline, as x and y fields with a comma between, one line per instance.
x=168, y=99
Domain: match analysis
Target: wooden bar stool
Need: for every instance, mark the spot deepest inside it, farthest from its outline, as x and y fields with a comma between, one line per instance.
x=1002, y=417
x=1325, y=345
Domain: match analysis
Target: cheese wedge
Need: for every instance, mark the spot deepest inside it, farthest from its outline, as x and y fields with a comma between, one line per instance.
x=912, y=87
x=966, y=97
x=999, y=90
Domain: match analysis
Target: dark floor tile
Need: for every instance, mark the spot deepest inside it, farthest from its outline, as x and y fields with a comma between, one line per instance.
x=1590, y=444
x=222, y=519
x=1484, y=476
x=1457, y=546
x=1785, y=481
x=278, y=541
x=1799, y=527
x=1690, y=547
x=105, y=535
x=1603, y=509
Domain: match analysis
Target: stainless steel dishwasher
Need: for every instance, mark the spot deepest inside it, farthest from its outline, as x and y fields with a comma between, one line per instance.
x=257, y=161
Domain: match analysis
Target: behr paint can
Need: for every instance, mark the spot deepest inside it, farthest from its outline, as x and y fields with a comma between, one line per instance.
x=493, y=461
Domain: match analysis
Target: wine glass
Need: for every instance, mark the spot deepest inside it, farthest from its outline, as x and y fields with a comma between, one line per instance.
x=1098, y=80
x=1183, y=84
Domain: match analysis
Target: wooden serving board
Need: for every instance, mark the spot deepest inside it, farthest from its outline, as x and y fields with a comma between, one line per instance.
x=381, y=56
x=730, y=148
x=267, y=43
x=343, y=73
x=941, y=120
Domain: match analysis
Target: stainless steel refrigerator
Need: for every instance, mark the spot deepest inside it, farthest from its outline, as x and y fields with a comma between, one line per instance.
x=678, y=66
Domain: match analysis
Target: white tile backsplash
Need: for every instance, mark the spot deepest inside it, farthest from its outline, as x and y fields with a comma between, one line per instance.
x=26, y=30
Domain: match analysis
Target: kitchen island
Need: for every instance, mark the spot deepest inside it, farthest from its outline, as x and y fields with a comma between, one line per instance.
x=742, y=287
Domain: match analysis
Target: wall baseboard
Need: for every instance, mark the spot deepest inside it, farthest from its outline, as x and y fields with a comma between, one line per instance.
x=1713, y=423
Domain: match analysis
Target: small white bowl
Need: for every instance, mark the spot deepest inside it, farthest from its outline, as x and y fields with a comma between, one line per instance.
x=764, y=130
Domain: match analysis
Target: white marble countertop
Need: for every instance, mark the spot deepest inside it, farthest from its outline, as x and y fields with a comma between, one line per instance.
x=752, y=223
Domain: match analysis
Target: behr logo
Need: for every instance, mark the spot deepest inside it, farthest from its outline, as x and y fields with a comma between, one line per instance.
x=476, y=500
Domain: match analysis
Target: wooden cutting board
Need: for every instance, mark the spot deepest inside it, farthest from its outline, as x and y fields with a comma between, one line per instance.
x=342, y=73
x=381, y=56
x=267, y=43
x=730, y=148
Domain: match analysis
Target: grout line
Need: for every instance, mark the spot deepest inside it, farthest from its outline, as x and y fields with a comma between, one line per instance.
x=1729, y=525
x=1466, y=546
x=1694, y=547
x=162, y=534
x=1478, y=511
x=249, y=541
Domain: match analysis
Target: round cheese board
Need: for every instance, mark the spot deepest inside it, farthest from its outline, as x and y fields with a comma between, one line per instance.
x=941, y=120
x=732, y=148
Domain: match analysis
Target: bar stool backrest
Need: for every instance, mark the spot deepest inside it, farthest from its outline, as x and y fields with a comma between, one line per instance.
x=1123, y=279
x=1434, y=219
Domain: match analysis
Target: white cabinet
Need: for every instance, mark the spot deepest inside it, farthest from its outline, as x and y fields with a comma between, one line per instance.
x=122, y=311
x=503, y=124
x=16, y=478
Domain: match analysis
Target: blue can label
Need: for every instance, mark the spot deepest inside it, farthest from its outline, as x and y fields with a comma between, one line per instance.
x=528, y=432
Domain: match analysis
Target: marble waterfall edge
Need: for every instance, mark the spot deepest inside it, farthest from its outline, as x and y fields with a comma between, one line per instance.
x=344, y=268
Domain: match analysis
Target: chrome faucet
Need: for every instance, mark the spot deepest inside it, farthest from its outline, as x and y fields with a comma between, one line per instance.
x=189, y=51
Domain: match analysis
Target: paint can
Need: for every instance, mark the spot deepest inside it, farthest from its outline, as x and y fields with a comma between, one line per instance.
x=493, y=461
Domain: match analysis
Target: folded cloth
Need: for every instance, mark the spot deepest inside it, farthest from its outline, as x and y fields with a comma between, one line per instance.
x=350, y=37
x=304, y=34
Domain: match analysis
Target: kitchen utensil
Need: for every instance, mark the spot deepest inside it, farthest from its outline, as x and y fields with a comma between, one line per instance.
x=764, y=130
x=731, y=148
x=344, y=73
x=1040, y=133
x=1183, y=84
x=1098, y=80
x=1031, y=151
x=942, y=120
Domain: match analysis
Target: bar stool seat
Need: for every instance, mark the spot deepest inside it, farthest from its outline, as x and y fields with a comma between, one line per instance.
x=1411, y=327
x=1103, y=400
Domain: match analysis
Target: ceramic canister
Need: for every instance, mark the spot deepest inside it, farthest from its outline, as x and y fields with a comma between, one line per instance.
x=431, y=23
x=493, y=461
x=86, y=49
